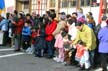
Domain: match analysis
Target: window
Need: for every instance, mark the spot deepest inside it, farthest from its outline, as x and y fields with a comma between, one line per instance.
x=52, y=3
x=64, y=3
x=85, y=2
x=39, y=7
x=92, y=3
x=43, y=6
x=68, y=3
x=72, y=3
x=26, y=5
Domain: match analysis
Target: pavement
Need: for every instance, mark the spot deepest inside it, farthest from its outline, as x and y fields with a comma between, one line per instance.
x=20, y=61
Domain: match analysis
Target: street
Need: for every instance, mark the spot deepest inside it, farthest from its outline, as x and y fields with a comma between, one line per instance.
x=19, y=61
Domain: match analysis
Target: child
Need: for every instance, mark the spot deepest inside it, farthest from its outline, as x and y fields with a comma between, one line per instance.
x=59, y=45
x=26, y=33
x=82, y=56
x=30, y=50
x=67, y=49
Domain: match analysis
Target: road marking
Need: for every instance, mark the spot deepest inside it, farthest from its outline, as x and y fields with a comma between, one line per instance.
x=9, y=55
x=6, y=49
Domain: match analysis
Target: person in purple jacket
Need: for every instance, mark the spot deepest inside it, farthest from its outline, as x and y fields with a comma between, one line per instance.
x=103, y=46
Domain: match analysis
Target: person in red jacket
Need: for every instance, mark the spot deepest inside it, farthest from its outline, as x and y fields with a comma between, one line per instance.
x=18, y=30
x=49, y=29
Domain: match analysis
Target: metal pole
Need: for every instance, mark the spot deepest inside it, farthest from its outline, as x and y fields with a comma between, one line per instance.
x=67, y=6
x=38, y=6
x=105, y=5
x=77, y=4
x=90, y=4
x=100, y=11
x=30, y=5
x=58, y=8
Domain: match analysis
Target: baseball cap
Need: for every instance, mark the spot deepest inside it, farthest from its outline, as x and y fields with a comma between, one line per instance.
x=62, y=13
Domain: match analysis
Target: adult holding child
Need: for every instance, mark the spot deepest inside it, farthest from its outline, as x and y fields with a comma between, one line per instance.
x=87, y=36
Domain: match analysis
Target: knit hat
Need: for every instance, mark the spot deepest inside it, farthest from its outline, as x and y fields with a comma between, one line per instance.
x=80, y=21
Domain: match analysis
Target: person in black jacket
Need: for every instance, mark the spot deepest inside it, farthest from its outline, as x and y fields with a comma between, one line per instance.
x=40, y=41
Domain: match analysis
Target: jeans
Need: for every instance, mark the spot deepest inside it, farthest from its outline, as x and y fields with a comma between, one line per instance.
x=91, y=54
x=50, y=48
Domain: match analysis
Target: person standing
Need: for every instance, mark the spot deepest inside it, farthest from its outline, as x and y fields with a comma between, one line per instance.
x=59, y=45
x=103, y=45
x=14, y=20
x=18, y=29
x=4, y=28
x=49, y=29
x=40, y=41
x=26, y=33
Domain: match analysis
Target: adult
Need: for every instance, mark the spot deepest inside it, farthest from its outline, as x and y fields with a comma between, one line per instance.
x=72, y=32
x=49, y=29
x=29, y=18
x=90, y=22
x=18, y=30
x=103, y=39
x=87, y=35
x=4, y=25
x=61, y=24
x=80, y=13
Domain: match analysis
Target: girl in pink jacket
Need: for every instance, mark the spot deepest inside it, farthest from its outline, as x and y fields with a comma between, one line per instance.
x=59, y=46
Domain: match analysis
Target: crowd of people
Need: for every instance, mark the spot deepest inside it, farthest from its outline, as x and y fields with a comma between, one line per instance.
x=72, y=39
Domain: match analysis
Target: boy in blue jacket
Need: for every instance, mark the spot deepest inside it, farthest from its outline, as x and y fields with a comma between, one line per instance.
x=26, y=33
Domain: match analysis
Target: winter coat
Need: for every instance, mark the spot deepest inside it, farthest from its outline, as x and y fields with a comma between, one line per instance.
x=103, y=39
x=59, y=41
x=60, y=25
x=19, y=26
x=4, y=25
x=87, y=36
x=33, y=36
x=72, y=31
x=40, y=40
x=26, y=33
x=49, y=30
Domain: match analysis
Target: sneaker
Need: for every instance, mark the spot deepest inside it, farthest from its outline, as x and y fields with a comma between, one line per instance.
x=64, y=63
x=55, y=58
x=58, y=60
x=61, y=60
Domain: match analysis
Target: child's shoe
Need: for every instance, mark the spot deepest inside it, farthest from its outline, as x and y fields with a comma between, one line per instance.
x=55, y=58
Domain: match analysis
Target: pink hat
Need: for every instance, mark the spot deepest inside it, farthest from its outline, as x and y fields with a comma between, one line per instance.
x=82, y=20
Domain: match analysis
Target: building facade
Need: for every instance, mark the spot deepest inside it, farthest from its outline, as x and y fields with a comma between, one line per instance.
x=22, y=5
x=67, y=6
